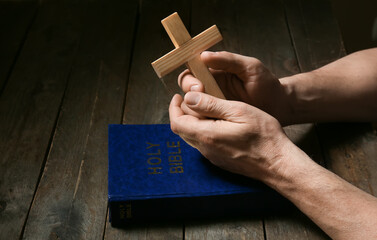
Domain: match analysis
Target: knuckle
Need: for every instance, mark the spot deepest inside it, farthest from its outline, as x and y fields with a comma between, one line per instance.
x=255, y=61
x=174, y=126
x=182, y=76
x=240, y=110
x=205, y=141
x=210, y=104
x=255, y=66
x=208, y=139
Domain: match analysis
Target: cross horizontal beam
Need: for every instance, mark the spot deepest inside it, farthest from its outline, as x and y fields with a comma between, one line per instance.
x=186, y=51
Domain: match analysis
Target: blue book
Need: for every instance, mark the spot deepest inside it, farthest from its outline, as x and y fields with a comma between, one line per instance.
x=154, y=175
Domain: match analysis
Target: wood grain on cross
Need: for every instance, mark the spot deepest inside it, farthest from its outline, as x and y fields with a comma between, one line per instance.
x=187, y=50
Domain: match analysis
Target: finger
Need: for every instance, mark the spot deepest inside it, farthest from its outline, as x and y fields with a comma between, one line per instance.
x=175, y=110
x=192, y=130
x=229, y=62
x=189, y=111
x=179, y=122
x=179, y=108
x=213, y=107
x=188, y=82
x=184, y=124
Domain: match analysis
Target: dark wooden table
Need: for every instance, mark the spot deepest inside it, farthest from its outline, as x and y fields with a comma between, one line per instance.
x=70, y=68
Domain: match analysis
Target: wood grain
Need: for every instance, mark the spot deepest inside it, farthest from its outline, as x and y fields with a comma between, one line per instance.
x=71, y=200
x=187, y=51
x=176, y=29
x=225, y=229
x=156, y=231
x=315, y=33
x=29, y=107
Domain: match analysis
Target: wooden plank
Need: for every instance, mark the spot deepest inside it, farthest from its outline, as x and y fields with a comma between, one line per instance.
x=350, y=149
x=15, y=21
x=351, y=152
x=147, y=99
x=315, y=33
x=267, y=38
x=75, y=176
x=29, y=107
x=158, y=231
x=293, y=226
x=237, y=228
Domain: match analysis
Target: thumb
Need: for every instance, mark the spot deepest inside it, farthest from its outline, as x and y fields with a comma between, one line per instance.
x=212, y=107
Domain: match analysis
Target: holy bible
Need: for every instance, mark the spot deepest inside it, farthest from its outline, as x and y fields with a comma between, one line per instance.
x=154, y=175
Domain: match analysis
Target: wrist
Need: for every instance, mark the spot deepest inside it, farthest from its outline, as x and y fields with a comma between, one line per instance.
x=300, y=97
x=290, y=169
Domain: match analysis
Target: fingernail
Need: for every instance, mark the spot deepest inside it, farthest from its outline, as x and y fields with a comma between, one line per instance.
x=207, y=53
x=192, y=98
x=195, y=88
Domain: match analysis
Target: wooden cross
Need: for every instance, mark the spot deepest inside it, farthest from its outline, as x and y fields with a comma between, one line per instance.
x=187, y=50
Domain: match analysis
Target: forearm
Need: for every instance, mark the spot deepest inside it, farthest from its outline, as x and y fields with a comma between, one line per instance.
x=340, y=209
x=345, y=90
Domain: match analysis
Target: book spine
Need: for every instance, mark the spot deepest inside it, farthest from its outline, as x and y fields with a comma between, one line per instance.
x=161, y=209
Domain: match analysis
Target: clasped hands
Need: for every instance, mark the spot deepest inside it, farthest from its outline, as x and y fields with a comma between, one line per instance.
x=242, y=134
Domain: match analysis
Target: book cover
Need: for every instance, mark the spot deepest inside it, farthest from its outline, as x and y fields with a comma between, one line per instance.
x=155, y=175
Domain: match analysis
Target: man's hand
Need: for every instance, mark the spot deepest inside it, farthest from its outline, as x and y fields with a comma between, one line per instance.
x=246, y=140
x=243, y=79
x=233, y=135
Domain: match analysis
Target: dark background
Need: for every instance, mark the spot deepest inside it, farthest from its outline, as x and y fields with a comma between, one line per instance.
x=356, y=20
